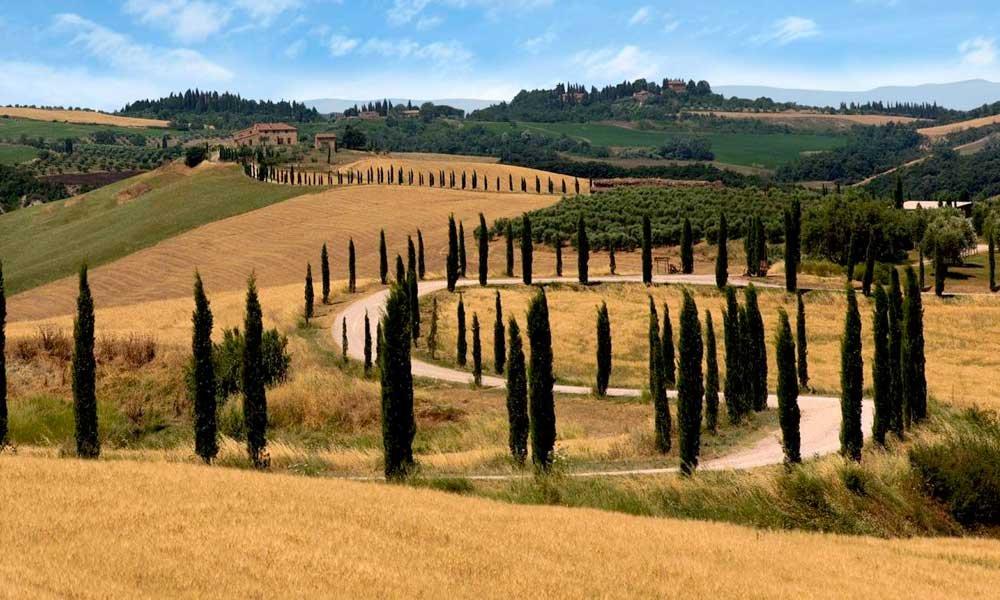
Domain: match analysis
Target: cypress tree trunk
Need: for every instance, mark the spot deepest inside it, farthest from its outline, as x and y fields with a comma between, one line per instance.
x=802, y=345
x=734, y=361
x=421, y=267
x=541, y=402
x=3, y=362
x=398, y=423
x=647, y=251
x=477, y=353
x=462, y=264
x=526, y=251
x=484, y=250
x=711, y=376
x=499, y=345
x=509, y=242
x=866, y=281
x=913, y=360
x=690, y=385
x=254, y=396
x=687, y=249
x=451, y=263
x=657, y=389
x=383, y=259
x=368, y=345
x=583, y=252
x=940, y=271
x=324, y=265
x=881, y=369
x=307, y=311
x=460, y=344
x=411, y=293
x=352, y=273
x=851, y=381
x=895, y=356
x=993, y=262
x=517, y=396
x=669, y=359
x=788, y=389
x=791, y=265
x=205, y=440
x=603, y=349
x=88, y=444
x=432, y=333
x=758, y=350
x=722, y=258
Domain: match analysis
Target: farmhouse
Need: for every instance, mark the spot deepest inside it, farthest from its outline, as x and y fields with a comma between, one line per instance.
x=322, y=140
x=963, y=207
x=369, y=115
x=642, y=96
x=676, y=85
x=411, y=113
x=262, y=134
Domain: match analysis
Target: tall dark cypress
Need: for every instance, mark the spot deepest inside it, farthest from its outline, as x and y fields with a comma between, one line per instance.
x=254, y=396
x=657, y=389
x=559, y=258
x=582, y=251
x=667, y=347
x=526, y=250
x=758, y=349
x=541, y=402
x=205, y=441
x=802, y=343
x=483, y=236
x=920, y=262
x=647, y=250
x=398, y=423
x=747, y=352
x=851, y=381
x=462, y=262
x=881, y=368
x=913, y=359
x=460, y=343
x=869, y=276
x=750, y=247
x=722, y=258
x=383, y=259
x=734, y=388
x=414, y=298
x=411, y=255
x=451, y=263
x=368, y=345
x=940, y=271
x=324, y=265
x=3, y=362
x=517, y=396
x=687, y=248
x=711, y=376
x=307, y=311
x=611, y=259
x=432, y=331
x=477, y=352
x=788, y=389
x=603, y=349
x=352, y=271
x=690, y=385
x=88, y=444
x=421, y=266
x=499, y=345
x=760, y=253
x=509, y=247
x=400, y=271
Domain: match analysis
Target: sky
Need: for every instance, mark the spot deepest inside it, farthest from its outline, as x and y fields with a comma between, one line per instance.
x=104, y=53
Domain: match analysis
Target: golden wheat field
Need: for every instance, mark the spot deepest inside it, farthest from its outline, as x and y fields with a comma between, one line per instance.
x=961, y=333
x=125, y=529
x=943, y=130
x=79, y=116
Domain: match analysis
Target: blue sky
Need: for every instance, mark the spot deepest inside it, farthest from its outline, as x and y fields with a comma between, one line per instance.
x=102, y=53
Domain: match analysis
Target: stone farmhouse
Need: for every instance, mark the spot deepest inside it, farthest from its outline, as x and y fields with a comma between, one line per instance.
x=264, y=134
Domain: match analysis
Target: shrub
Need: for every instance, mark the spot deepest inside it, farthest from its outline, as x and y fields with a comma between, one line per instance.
x=228, y=356
x=194, y=155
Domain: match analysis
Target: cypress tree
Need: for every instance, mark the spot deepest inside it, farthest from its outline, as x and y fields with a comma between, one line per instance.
x=324, y=265
x=897, y=194
x=343, y=339
x=940, y=271
x=734, y=361
x=895, y=349
x=761, y=251
x=368, y=345
x=421, y=267
x=499, y=345
x=88, y=444
x=460, y=344
x=411, y=255
x=920, y=255
x=611, y=258
x=582, y=251
x=711, y=376
x=412, y=295
x=747, y=352
x=881, y=369
x=452, y=260
x=913, y=359
x=992, y=261
x=205, y=442
x=352, y=279
x=432, y=332
x=383, y=259
x=254, y=396
x=3, y=360
x=307, y=311
x=483, y=235
x=866, y=281
x=788, y=389
x=559, y=262
x=802, y=344
x=851, y=381
x=647, y=250
x=462, y=264
x=687, y=249
x=657, y=389
x=722, y=258
x=791, y=265
x=517, y=396
x=398, y=423
x=540, y=400
x=526, y=251
x=477, y=353
x=603, y=349
x=509, y=240
x=400, y=272
x=750, y=247
x=690, y=385
x=758, y=350
x=667, y=342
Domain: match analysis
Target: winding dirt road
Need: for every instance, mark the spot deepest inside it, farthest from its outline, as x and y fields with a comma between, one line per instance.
x=820, y=415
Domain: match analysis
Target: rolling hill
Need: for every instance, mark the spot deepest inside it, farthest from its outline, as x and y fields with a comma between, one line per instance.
x=87, y=117
x=959, y=95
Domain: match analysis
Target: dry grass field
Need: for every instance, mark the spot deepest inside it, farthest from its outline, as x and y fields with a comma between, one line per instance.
x=79, y=116
x=798, y=116
x=126, y=529
x=943, y=130
x=961, y=333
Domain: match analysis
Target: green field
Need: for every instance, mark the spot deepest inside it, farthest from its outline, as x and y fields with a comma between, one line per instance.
x=767, y=150
x=12, y=154
x=12, y=129
x=46, y=242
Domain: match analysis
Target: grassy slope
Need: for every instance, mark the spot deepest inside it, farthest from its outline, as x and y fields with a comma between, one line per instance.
x=12, y=154
x=13, y=128
x=127, y=529
x=43, y=243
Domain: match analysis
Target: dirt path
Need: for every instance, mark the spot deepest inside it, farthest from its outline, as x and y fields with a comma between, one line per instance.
x=819, y=427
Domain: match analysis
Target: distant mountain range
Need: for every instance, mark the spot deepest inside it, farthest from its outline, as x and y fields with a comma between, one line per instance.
x=332, y=105
x=960, y=95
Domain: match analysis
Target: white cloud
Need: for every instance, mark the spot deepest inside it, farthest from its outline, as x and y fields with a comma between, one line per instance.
x=671, y=24
x=120, y=52
x=263, y=12
x=295, y=49
x=443, y=53
x=187, y=22
x=426, y=23
x=630, y=62
x=342, y=45
x=536, y=44
x=787, y=30
x=641, y=16
x=32, y=83
x=405, y=11
x=978, y=51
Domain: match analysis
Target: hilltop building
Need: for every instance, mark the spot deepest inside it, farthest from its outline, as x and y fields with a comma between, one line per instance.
x=677, y=86
x=323, y=140
x=263, y=134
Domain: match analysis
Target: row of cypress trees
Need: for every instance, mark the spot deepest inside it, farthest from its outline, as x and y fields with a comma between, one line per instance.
x=746, y=355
